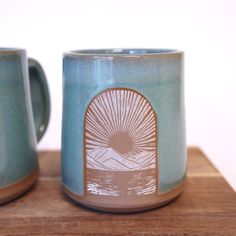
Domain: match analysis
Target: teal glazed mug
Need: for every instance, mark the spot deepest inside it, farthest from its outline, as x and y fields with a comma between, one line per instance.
x=24, y=115
x=123, y=134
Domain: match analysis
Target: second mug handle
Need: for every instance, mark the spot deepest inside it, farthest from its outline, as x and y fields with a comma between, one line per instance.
x=40, y=97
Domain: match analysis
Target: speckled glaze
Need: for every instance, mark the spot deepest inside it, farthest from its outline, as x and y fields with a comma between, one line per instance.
x=18, y=157
x=157, y=74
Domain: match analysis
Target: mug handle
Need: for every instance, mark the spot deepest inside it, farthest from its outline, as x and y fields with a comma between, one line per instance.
x=40, y=97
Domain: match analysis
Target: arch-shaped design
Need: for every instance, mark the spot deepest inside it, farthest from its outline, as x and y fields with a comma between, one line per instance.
x=120, y=144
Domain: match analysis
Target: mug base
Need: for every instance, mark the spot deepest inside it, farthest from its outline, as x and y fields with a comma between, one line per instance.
x=132, y=206
x=19, y=188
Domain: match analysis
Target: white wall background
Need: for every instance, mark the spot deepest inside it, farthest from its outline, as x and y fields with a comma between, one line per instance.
x=204, y=29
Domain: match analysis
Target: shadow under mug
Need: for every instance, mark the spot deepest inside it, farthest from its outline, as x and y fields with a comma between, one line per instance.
x=24, y=117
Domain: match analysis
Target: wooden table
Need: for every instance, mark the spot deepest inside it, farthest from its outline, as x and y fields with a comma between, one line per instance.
x=207, y=207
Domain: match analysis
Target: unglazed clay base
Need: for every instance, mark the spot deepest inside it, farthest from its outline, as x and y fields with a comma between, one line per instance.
x=20, y=187
x=125, y=204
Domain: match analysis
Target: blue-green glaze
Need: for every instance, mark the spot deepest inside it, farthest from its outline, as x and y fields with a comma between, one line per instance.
x=18, y=156
x=157, y=74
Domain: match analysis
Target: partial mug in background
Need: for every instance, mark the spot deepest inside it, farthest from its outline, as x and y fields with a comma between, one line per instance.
x=20, y=125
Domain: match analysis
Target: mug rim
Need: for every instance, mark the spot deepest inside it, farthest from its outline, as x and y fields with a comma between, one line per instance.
x=122, y=52
x=11, y=50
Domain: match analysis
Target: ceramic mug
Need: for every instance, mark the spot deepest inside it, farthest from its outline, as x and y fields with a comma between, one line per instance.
x=123, y=139
x=18, y=156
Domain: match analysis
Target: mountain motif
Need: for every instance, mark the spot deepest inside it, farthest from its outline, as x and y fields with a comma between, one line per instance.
x=111, y=160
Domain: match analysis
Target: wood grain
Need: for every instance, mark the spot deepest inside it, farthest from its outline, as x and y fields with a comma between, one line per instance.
x=207, y=207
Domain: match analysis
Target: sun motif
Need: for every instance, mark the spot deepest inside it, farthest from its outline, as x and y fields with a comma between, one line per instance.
x=121, y=119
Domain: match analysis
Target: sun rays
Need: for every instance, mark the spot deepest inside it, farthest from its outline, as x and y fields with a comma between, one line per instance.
x=121, y=119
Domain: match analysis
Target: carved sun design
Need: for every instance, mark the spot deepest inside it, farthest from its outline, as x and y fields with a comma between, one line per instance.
x=123, y=120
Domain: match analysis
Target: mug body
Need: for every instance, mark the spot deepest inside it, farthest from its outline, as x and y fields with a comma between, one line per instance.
x=123, y=137
x=18, y=161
